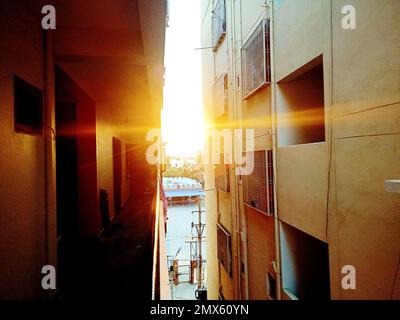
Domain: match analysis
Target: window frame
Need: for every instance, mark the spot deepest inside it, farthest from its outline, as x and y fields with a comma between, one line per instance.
x=265, y=28
x=269, y=186
x=218, y=22
x=228, y=268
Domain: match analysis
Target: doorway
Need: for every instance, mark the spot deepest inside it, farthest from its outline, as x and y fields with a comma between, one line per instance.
x=117, y=165
x=140, y=172
x=67, y=186
x=78, y=217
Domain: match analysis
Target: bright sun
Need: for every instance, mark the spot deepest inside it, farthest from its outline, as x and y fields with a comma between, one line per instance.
x=182, y=118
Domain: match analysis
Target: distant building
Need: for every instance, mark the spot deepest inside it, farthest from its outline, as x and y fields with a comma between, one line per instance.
x=181, y=162
x=182, y=189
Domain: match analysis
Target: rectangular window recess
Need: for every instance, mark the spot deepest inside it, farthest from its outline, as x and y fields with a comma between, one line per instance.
x=28, y=107
x=301, y=106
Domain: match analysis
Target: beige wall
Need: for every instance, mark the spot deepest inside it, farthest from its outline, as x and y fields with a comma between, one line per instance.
x=252, y=12
x=366, y=97
x=22, y=184
x=302, y=181
x=261, y=252
x=333, y=189
x=299, y=38
x=363, y=90
x=302, y=187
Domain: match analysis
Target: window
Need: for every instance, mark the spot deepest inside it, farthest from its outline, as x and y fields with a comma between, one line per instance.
x=305, y=265
x=218, y=24
x=222, y=181
x=256, y=60
x=220, y=96
x=300, y=106
x=221, y=171
x=224, y=249
x=28, y=107
x=271, y=287
x=258, y=188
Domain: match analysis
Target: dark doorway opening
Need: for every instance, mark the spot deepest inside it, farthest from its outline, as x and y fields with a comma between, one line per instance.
x=67, y=184
x=78, y=217
x=117, y=165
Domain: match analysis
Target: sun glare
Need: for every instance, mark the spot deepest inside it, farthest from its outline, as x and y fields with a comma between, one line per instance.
x=182, y=118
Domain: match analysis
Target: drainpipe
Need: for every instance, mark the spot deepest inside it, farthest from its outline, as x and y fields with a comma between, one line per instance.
x=236, y=189
x=246, y=266
x=235, y=195
x=49, y=153
x=270, y=12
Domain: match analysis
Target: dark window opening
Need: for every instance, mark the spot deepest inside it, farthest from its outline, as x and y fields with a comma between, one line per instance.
x=300, y=103
x=305, y=265
x=28, y=107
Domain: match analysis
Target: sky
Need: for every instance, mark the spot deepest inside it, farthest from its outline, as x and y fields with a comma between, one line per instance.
x=182, y=118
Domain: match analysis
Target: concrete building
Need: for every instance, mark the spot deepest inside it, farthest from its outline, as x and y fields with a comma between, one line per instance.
x=324, y=102
x=73, y=128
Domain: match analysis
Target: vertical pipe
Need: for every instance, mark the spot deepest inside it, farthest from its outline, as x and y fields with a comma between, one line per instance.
x=199, y=238
x=270, y=9
x=235, y=182
x=242, y=226
x=155, y=274
x=49, y=151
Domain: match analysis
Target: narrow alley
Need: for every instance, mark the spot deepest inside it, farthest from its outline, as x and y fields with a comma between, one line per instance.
x=162, y=152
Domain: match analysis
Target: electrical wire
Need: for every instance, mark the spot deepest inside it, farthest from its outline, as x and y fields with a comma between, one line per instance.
x=330, y=133
x=395, y=278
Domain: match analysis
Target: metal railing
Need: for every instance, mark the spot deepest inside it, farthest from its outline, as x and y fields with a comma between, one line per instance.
x=156, y=231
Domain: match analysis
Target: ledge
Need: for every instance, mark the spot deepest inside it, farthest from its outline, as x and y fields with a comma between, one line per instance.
x=392, y=186
x=252, y=93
